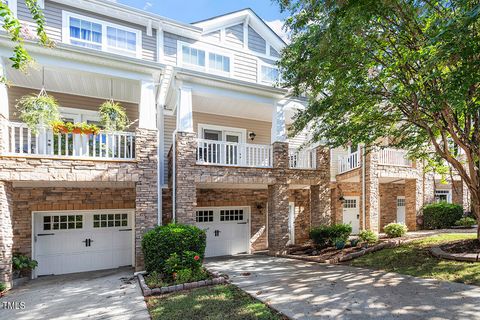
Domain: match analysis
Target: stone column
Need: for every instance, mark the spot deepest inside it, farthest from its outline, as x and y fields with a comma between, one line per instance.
x=467, y=205
x=457, y=192
x=413, y=201
x=280, y=155
x=146, y=202
x=186, y=192
x=6, y=234
x=278, y=235
x=428, y=187
x=372, y=194
x=320, y=195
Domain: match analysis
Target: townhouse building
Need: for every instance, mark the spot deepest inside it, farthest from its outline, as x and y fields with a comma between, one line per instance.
x=208, y=145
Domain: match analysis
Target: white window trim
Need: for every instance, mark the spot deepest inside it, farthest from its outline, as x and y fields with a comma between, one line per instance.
x=12, y=4
x=242, y=132
x=444, y=192
x=83, y=113
x=260, y=64
x=207, y=51
x=66, y=15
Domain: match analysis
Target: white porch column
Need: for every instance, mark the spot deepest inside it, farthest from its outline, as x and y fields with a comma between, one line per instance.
x=147, y=110
x=279, y=129
x=184, y=112
x=4, y=107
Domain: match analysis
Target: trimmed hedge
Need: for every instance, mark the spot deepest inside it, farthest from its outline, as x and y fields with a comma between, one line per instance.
x=327, y=235
x=441, y=215
x=160, y=243
x=395, y=230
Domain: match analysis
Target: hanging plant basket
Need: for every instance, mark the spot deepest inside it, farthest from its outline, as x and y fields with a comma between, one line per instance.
x=38, y=110
x=113, y=116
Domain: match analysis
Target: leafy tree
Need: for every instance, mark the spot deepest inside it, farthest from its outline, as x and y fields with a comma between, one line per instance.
x=403, y=69
x=18, y=34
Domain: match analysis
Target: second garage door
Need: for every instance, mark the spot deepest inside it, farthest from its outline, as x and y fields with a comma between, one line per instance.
x=227, y=229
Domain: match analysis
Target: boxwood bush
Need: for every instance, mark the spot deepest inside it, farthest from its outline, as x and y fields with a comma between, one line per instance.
x=160, y=243
x=441, y=215
x=395, y=230
x=327, y=235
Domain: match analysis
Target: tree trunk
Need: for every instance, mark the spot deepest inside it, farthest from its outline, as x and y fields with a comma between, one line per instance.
x=475, y=198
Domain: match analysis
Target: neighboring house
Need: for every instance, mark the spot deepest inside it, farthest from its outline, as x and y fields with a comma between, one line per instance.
x=208, y=145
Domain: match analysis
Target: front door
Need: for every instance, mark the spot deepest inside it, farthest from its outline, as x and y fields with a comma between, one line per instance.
x=351, y=213
x=232, y=151
x=401, y=210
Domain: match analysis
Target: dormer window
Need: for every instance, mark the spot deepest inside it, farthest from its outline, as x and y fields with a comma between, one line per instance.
x=269, y=74
x=218, y=62
x=193, y=56
x=101, y=35
x=197, y=57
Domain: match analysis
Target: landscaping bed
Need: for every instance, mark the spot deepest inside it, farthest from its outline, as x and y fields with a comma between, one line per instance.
x=462, y=246
x=212, y=303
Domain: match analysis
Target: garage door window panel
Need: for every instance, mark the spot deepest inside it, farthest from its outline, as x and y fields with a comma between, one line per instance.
x=62, y=222
x=231, y=215
x=204, y=216
x=110, y=220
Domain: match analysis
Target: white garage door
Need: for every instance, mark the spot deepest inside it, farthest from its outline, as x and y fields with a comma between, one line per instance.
x=227, y=230
x=78, y=241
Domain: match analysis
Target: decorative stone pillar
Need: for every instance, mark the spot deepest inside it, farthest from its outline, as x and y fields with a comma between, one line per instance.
x=280, y=155
x=146, y=203
x=428, y=187
x=186, y=192
x=278, y=235
x=413, y=201
x=372, y=194
x=320, y=195
x=457, y=192
x=6, y=234
x=467, y=205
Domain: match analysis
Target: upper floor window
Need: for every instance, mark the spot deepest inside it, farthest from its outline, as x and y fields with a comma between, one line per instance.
x=193, y=56
x=269, y=74
x=12, y=4
x=101, y=35
x=219, y=62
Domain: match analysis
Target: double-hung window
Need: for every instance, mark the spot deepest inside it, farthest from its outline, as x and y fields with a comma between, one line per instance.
x=193, y=56
x=101, y=35
x=269, y=74
x=443, y=196
x=204, y=58
x=218, y=62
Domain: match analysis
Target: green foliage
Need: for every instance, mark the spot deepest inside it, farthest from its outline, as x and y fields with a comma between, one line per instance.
x=406, y=70
x=368, y=236
x=113, y=116
x=185, y=260
x=23, y=263
x=190, y=275
x=38, y=110
x=329, y=235
x=441, y=215
x=160, y=243
x=395, y=230
x=155, y=280
x=18, y=33
x=3, y=286
x=466, y=222
x=59, y=126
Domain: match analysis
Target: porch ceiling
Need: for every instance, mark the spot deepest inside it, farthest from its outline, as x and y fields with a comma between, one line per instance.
x=78, y=83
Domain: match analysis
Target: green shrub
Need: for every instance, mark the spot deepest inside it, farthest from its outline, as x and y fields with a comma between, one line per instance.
x=395, y=230
x=22, y=263
x=189, y=275
x=329, y=235
x=186, y=260
x=368, y=236
x=3, y=286
x=466, y=222
x=163, y=241
x=155, y=280
x=441, y=215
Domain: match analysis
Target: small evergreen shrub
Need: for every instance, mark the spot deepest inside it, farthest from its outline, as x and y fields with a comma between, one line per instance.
x=328, y=235
x=368, y=236
x=441, y=215
x=395, y=230
x=466, y=222
x=161, y=243
x=3, y=286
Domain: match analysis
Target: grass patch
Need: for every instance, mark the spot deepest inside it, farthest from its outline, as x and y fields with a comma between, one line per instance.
x=212, y=303
x=415, y=259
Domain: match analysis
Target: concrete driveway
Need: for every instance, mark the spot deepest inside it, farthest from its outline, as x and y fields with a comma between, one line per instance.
x=109, y=294
x=304, y=290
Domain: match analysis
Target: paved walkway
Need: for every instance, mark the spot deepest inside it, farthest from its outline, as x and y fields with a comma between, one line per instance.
x=108, y=294
x=304, y=290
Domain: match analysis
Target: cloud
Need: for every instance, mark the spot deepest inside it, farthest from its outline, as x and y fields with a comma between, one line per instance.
x=147, y=5
x=277, y=26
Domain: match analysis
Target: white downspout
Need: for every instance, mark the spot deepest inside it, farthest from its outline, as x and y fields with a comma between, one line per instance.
x=364, y=187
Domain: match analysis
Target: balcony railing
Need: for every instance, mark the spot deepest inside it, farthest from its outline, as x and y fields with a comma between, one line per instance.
x=234, y=154
x=394, y=157
x=302, y=159
x=349, y=162
x=105, y=145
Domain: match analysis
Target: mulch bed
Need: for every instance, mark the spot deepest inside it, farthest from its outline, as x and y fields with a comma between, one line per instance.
x=463, y=246
x=329, y=253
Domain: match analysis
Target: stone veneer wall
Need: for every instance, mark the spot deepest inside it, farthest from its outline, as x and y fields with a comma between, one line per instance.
x=26, y=200
x=6, y=234
x=388, y=202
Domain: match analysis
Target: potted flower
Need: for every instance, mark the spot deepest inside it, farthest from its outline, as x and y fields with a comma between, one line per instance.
x=22, y=266
x=59, y=126
x=113, y=116
x=38, y=110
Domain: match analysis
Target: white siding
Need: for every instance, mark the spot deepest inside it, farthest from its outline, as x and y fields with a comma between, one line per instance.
x=256, y=42
x=213, y=36
x=234, y=35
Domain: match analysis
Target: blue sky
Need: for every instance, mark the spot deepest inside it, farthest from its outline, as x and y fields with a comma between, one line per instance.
x=194, y=10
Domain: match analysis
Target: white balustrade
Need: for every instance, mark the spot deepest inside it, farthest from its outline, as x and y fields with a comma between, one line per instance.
x=104, y=145
x=234, y=154
x=395, y=157
x=349, y=162
x=302, y=159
